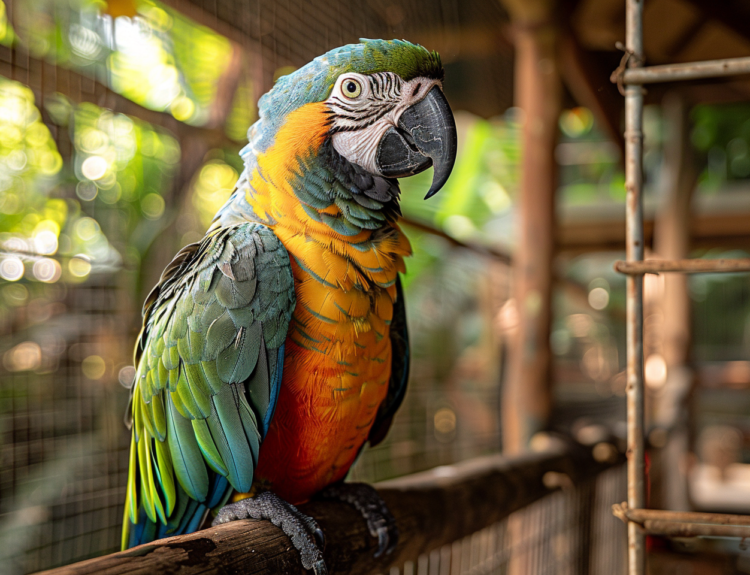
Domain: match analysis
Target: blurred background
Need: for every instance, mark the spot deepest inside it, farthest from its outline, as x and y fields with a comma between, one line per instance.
x=120, y=126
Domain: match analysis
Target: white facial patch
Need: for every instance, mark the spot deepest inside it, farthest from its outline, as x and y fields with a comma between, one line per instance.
x=365, y=107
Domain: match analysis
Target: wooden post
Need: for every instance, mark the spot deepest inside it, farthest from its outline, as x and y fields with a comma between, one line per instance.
x=672, y=241
x=527, y=393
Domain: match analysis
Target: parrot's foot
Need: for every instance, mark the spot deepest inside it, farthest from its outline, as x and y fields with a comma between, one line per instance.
x=306, y=535
x=365, y=499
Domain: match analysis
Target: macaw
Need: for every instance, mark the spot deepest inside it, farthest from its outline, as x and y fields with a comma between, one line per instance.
x=274, y=348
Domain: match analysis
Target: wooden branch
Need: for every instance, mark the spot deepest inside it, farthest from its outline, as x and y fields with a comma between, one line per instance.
x=501, y=256
x=432, y=509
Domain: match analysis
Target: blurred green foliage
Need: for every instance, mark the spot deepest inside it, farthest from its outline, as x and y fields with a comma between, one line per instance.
x=589, y=164
x=721, y=136
x=119, y=163
x=478, y=193
x=105, y=204
x=6, y=30
x=151, y=54
x=164, y=61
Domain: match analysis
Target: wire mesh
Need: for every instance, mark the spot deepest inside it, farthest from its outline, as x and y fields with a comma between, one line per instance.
x=65, y=344
x=64, y=448
x=570, y=532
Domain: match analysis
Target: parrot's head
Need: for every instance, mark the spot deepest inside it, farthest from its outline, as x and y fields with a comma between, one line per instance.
x=378, y=104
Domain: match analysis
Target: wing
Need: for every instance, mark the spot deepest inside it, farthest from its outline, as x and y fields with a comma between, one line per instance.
x=399, y=370
x=209, y=364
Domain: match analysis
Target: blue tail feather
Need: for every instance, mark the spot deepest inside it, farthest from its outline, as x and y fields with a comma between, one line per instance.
x=186, y=517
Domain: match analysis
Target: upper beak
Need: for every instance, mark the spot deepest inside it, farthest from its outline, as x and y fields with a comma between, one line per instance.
x=425, y=136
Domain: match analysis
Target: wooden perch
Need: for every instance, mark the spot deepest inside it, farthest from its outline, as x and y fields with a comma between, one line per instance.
x=432, y=509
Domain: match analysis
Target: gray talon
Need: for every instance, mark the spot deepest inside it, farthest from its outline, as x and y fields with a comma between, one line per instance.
x=320, y=568
x=365, y=499
x=304, y=532
x=382, y=541
x=320, y=537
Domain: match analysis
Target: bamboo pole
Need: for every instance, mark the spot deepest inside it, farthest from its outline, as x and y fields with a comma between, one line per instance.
x=687, y=71
x=634, y=286
x=689, y=266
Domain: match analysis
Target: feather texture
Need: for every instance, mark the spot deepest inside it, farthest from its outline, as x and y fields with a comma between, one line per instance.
x=217, y=335
x=204, y=378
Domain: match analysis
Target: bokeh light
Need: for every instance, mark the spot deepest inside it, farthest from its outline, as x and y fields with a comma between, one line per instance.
x=152, y=206
x=45, y=242
x=87, y=228
x=598, y=298
x=94, y=167
x=211, y=189
x=26, y=356
x=29, y=159
x=576, y=122
x=79, y=266
x=94, y=367
x=126, y=376
x=444, y=422
x=47, y=270
x=655, y=371
x=11, y=269
x=15, y=294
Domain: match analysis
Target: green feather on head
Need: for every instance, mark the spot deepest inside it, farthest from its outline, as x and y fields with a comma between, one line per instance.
x=314, y=82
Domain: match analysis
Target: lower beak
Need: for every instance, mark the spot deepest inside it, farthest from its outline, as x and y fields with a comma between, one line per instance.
x=425, y=136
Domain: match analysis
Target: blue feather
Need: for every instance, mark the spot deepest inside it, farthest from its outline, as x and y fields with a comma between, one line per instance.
x=275, y=388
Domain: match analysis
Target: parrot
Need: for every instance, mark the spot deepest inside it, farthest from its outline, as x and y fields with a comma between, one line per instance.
x=276, y=347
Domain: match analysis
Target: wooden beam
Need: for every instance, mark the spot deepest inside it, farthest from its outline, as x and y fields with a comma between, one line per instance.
x=725, y=13
x=527, y=393
x=589, y=84
x=709, y=230
x=432, y=509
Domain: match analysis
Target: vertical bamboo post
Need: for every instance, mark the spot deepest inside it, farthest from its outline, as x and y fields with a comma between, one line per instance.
x=527, y=392
x=634, y=286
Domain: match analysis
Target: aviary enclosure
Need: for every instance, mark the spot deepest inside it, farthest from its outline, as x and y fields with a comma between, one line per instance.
x=542, y=365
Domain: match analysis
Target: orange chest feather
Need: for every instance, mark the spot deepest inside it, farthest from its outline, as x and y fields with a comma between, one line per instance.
x=336, y=371
x=338, y=351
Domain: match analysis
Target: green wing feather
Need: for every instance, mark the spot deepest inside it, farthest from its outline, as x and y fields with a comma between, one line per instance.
x=208, y=373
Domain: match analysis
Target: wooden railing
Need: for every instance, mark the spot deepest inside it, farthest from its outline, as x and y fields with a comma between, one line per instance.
x=432, y=509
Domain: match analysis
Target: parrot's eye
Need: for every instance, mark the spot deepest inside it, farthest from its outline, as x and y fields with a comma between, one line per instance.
x=351, y=88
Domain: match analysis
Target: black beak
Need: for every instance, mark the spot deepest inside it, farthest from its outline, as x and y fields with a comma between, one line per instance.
x=425, y=136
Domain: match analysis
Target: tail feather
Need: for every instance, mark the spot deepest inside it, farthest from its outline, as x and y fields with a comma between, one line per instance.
x=187, y=516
